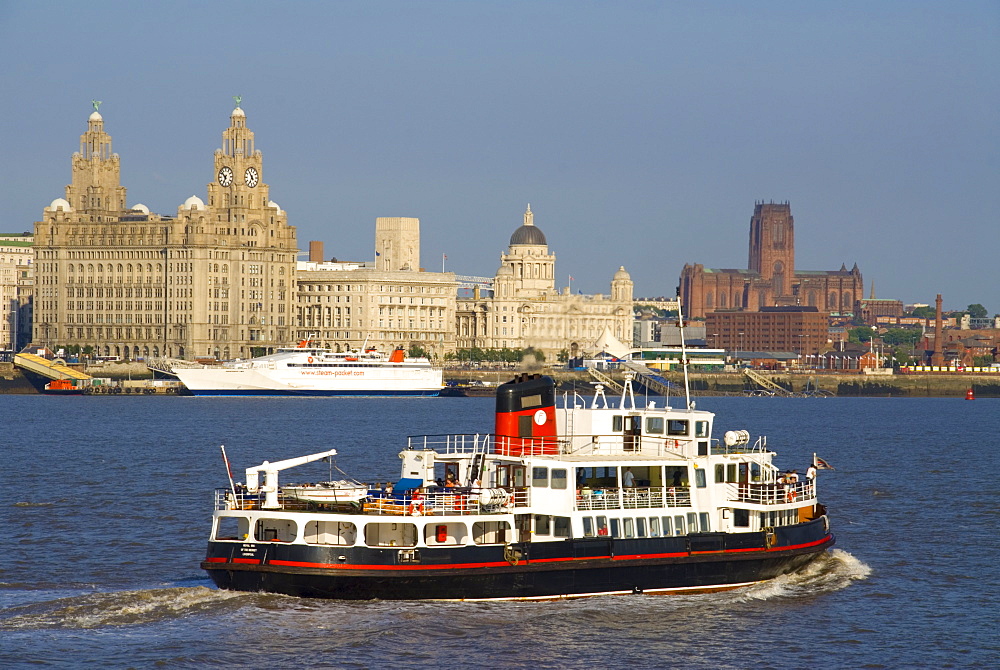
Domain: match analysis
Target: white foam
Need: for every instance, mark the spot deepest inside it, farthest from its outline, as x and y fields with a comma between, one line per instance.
x=119, y=608
x=832, y=571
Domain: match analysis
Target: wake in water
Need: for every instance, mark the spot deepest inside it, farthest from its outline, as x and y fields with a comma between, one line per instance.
x=120, y=608
x=830, y=572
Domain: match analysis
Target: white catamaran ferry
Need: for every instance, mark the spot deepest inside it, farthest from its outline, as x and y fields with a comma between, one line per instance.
x=307, y=370
x=598, y=496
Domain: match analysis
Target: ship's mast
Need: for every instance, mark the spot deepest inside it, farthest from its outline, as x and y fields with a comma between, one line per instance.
x=684, y=356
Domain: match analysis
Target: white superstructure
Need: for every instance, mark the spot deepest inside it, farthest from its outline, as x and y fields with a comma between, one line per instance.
x=305, y=370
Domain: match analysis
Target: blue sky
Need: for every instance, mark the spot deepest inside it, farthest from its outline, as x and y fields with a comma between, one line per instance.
x=642, y=133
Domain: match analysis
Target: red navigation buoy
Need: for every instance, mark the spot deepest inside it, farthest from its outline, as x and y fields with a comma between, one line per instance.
x=969, y=395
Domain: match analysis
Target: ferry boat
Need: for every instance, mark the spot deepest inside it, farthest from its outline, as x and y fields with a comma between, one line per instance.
x=582, y=497
x=305, y=370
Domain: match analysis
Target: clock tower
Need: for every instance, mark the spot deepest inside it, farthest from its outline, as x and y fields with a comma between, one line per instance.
x=239, y=257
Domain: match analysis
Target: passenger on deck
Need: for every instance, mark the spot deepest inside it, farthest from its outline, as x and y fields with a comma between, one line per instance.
x=628, y=479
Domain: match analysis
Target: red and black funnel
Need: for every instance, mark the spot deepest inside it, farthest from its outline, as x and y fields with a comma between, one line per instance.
x=526, y=416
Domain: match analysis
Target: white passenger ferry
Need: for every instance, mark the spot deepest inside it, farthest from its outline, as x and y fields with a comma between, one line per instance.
x=307, y=370
x=597, y=496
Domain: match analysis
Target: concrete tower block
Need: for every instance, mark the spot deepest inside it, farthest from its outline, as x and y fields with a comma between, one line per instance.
x=397, y=243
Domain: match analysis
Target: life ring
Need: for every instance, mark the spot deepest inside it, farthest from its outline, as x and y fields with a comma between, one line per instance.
x=416, y=507
x=790, y=496
x=310, y=359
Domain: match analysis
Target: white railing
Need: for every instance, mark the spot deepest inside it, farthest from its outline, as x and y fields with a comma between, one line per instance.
x=772, y=494
x=460, y=501
x=634, y=498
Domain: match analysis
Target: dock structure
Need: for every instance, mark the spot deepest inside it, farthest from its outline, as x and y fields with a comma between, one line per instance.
x=56, y=369
x=765, y=383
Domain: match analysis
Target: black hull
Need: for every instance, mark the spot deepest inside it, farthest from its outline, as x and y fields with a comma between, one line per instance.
x=543, y=570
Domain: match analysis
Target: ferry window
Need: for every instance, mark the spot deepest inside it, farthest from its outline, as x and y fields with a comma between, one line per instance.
x=561, y=526
x=640, y=527
x=677, y=427
x=543, y=524
x=731, y=472
x=616, y=423
x=588, y=527
x=654, y=526
x=616, y=528
x=629, y=526
x=699, y=478
x=667, y=527
x=720, y=473
x=703, y=448
x=654, y=425
x=330, y=532
x=741, y=517
x=559, y=477
x=692, y=522
x=602, y=525
x=701, y=428
x=275, y=530
x=232, y=528
x=438, y=534
x=705, y=525
x=490, y=532
x=540, y=477
x=755, y=472
x=531, y=401
x=391, y=535
x=679, y=527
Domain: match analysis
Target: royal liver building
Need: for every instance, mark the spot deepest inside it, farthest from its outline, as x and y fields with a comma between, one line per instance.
x=217, y=280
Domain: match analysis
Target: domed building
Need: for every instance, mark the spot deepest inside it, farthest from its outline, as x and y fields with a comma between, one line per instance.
x=527, y=310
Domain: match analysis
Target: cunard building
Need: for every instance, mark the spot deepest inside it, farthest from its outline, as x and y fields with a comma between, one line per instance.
x=217, y=280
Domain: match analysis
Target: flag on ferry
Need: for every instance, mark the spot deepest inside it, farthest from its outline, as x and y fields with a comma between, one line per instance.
x=820, y=464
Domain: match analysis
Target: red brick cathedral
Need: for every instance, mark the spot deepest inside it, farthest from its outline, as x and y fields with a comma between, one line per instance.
x=771, y=279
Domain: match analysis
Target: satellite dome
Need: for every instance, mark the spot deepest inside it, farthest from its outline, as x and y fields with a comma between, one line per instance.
x=194, y=202
x=528, y=234
x=60, y=203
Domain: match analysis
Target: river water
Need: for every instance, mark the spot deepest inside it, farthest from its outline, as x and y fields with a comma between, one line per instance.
x=106, y=506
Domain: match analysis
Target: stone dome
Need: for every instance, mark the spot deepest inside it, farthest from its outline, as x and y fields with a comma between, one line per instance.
x=238, y=112
x=194, y=202
x=528, y=234
x=622, y=274
x=95, y=116
x=505, y=271
x=60, y=203
x=272, y=203
x=139, y=207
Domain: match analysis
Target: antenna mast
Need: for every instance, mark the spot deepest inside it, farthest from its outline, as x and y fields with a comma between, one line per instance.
x=684, y=356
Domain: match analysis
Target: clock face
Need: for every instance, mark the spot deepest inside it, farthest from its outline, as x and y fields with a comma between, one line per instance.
x=251, y=177
x=226, y=176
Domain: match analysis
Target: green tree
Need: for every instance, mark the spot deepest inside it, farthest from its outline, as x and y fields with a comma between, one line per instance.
x=977, y=311
x=860, y=334
x=563, y=355
x=417, y=351
x=531, y=351
x=924, y=312
x=899, y=336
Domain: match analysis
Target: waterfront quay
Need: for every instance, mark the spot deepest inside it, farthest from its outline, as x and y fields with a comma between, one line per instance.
x=136, y=379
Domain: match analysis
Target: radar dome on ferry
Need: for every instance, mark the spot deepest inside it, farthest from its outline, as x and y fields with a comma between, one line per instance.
x=194, y=202
x=528, y=233
x=139, y=207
